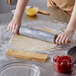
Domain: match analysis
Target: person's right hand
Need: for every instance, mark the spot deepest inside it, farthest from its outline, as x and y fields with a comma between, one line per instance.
x=64, y=37
x=14, y=26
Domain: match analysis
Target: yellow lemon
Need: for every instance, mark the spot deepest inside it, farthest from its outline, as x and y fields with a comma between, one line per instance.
x=31, y=11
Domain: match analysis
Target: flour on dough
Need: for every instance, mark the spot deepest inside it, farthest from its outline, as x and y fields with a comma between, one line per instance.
x=30, y=44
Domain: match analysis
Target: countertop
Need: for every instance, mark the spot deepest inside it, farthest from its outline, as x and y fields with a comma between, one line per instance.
x=57, y=21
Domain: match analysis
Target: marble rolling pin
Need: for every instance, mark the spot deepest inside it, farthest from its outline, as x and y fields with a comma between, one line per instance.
x=38, y=34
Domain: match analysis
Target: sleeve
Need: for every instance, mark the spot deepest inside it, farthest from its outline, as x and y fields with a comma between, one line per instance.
x=50, y=3
x=65, y=5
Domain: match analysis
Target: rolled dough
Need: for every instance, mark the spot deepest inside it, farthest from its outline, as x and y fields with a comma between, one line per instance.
x=29, y=44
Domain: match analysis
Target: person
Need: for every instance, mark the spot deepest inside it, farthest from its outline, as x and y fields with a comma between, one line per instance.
x=62, y=38
x=67, y=35
x=15, y=23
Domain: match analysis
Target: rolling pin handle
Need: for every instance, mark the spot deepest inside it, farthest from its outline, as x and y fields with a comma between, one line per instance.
x=55, y=38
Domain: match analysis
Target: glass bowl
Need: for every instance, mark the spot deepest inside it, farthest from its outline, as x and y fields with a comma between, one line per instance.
x=63, y=64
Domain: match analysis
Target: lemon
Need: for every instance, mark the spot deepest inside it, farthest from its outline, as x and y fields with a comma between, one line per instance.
x=31, y=11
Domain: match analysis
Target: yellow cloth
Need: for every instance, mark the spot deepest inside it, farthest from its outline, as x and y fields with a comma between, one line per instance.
x=65, y=5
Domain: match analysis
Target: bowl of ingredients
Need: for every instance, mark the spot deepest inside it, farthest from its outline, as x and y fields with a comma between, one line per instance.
x=63, y=64
x=31, y=11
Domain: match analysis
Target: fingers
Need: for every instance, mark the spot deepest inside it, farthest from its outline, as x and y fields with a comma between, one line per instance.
x=62, y=39
x=57, y=40
x=66, y=41
x=13, y=28
x=10, y=27
x=16, y=30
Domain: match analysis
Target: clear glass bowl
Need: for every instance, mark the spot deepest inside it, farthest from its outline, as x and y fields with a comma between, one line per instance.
x=63, y=66
x=19, y=69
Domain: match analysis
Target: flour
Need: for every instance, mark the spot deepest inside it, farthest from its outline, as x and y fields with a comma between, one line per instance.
x=56, y=26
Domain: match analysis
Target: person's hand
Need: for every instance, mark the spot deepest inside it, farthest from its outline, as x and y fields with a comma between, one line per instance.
x=14, y=26
x=64, y=37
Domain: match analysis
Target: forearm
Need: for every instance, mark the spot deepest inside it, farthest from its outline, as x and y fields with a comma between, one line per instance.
x=72, y=22
x=21, y=4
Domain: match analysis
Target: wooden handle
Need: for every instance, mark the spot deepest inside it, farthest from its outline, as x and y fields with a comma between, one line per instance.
x=69, y=42
x=44, y=12
x=9, y=2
